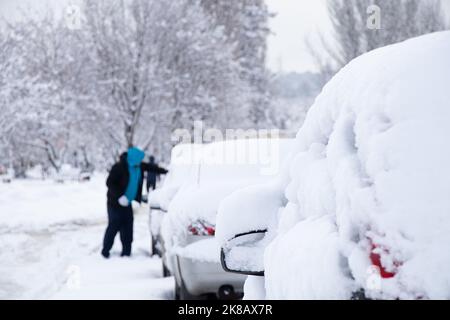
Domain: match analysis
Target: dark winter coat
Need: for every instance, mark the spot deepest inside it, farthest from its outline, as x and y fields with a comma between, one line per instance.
x=152, y=176
x=118, y=180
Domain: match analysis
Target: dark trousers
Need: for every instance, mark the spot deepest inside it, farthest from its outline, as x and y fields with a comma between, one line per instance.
x=151, y=183
x=120, y=219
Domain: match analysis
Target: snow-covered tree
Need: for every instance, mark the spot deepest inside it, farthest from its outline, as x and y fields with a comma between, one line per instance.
x=398, y=21
x=6, y=49
x=134, y=72
x=246, y=25
x=160, y=66
x=51, y=120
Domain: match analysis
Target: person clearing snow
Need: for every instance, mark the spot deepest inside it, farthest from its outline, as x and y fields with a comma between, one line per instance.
x=125, y=186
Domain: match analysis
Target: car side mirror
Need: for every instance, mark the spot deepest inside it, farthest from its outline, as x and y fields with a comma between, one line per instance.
x=244, y=253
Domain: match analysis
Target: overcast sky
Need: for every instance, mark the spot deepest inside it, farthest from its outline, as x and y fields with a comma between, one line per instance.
x=295, y=21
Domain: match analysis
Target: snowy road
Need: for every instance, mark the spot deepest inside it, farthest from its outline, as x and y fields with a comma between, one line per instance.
x=139, y=277
x=54, y=253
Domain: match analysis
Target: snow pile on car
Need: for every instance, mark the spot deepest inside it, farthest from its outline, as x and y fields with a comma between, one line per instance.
x=183, y=164
x=222, y=168
x=371, y=172
x=249, y=209
x=369, y=179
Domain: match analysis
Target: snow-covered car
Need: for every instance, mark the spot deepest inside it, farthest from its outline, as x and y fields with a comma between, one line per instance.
x=191, y=252
x=182, y=167
x=70, y=173
x=6, y=174
x=364, y=208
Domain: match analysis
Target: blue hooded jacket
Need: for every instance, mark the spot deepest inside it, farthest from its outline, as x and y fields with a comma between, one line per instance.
x=134, y=159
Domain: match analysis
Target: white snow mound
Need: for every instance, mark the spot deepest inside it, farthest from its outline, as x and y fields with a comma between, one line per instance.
x=372, y=166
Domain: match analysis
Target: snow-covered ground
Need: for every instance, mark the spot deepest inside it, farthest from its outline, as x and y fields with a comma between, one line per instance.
x=50, y=236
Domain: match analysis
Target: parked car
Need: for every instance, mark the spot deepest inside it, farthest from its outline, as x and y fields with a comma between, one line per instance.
x=6, y=174
x=69, y=173
x=190, y=251
x=182, y=167
x=363, y=209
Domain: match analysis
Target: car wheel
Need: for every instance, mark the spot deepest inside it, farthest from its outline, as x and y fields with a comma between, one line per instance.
x=181, y=293
x=184, y=294
x=177, y=291
x=155, y=250
x=166, y=271
x=359, y=295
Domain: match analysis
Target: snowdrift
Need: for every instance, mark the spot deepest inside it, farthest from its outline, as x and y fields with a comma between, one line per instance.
x=183, y=164
x=370, y=175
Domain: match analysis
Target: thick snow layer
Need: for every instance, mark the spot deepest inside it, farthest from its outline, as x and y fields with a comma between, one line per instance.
x=373, y=153
x=183, y=166
x=254, y=288
x=249, y=209
x=92, y=277
x=247, y=257
x=370, y=168
x=160, y=198
x=191, y=204
x=222, y=168
x=34, y=204
x=310, y=265
x=136, y=278
x=206, y=250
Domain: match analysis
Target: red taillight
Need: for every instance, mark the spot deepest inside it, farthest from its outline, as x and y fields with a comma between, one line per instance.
x=375, y=258
x=193, y=230
x=211, y=231
x=202, y=228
